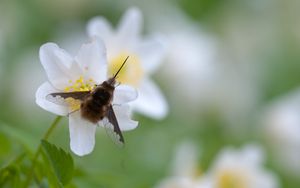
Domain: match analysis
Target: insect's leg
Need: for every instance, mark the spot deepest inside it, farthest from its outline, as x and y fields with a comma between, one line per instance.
x=116, y=104
x=118, y=84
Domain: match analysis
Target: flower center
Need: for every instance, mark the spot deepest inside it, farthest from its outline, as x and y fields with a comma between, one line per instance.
x=231, y=179
x=131, y=73
x=78, y=85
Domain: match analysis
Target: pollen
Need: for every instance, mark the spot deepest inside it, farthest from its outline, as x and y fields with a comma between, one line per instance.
x=81, y=84
x=131, y=73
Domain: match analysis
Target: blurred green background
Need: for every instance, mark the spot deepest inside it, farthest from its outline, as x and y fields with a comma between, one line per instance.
x=257, y=59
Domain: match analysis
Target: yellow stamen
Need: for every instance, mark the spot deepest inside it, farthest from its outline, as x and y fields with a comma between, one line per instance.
x=80, y=84
x=131, y=73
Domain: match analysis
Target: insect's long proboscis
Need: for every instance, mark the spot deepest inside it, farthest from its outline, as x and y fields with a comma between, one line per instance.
x=121, y=67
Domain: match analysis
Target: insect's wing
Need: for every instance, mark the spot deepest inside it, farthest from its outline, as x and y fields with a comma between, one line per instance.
x=66, y=98
x=112, y=128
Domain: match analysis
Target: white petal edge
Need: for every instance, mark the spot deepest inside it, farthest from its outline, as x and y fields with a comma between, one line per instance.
x=151, y=53
x=122, y=113
x=99, y=27
x=150, y=101
x=40, y=98
x=82, y=134
x=91, y=58
x=253, y=154
x=57, y=64
x=124, y=94
x=130, y=26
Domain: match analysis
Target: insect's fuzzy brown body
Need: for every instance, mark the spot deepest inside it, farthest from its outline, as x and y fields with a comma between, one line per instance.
x=95, y=106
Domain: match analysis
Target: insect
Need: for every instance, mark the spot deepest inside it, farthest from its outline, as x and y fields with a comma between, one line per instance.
x=95, y=105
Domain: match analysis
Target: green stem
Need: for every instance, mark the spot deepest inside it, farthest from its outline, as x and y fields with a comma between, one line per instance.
x=37, y=153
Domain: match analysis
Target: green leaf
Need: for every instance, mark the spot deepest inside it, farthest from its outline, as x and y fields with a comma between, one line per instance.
x=61, y=162
x=10, y=176
x=46, y=170
x=5, y=144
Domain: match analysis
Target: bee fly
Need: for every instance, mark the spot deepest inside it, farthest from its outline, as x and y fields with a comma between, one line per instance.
x=96, y=105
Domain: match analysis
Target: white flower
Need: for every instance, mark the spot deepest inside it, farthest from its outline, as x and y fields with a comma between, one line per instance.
x=282, y=127
x=190, y=59
x=145, y=56
x=208, y=75
x=239, y=169
x=190, y=55
x=80, y=73
x=185, y=173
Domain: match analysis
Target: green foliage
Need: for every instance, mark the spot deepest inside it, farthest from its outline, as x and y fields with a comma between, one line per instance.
x=5, y=144
x=10, y=176
x=17, y=134
x=60, y=162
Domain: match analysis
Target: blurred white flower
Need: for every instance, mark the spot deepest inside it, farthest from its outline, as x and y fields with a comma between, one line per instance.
x=145, y=56
x=190, y=56
x=185, y=173
x=201, y=73
x=190, y=61
x=282, y=127
x=239, y=169
x=80, y=73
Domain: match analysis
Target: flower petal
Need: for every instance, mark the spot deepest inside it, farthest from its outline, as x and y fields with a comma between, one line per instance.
x=92, y=60
x=41, y=93
x=151, y=52
x=253, y=154
x=124, y=94
x=57, y=64
x=99, y=27
x=130, y=26
x=150, y=102
x=82, y=134
x=123, y=116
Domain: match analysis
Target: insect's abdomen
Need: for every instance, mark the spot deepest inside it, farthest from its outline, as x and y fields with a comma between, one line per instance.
x=95, y=107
